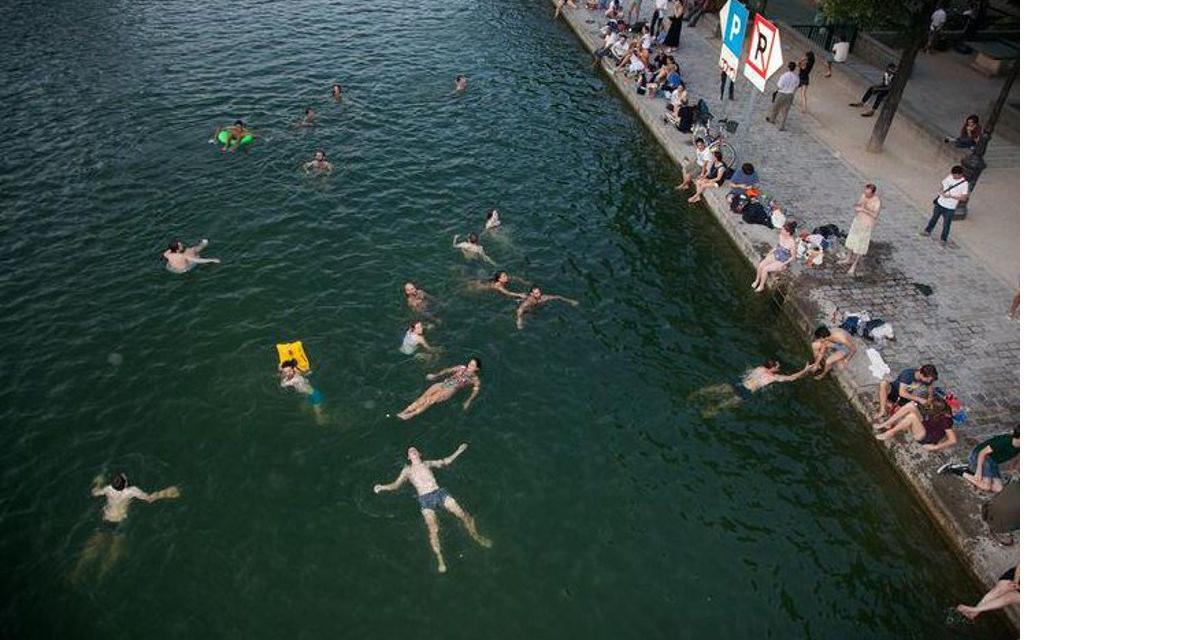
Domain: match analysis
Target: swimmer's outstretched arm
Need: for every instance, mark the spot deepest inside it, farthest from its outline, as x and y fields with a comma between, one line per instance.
x=486, y=257
x=169, y=492
x=511, y=294
x=199, y=260
x=474, y=392
x=98, y=486
x=395, y=484
x=439, y=374
x=454, y=242
x=573, y=303
x=795, y=376
x=451, y=458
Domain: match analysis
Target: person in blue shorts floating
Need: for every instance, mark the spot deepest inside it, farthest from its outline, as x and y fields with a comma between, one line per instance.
x=430, y=496
x=290, y=376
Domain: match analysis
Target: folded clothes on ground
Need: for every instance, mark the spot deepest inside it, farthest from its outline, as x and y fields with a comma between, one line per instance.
x=879, y=368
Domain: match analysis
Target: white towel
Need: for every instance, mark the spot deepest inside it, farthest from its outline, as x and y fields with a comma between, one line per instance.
x=879, y=368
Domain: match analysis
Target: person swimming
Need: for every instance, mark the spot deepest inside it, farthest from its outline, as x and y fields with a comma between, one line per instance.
x=310, y=118
x=471, y=247
x=430, y=496
x=455, y=378
x=414, y=338
x=499, y=282
x=417, y=299
x=724, y=396
x=319, y=164
x=534, y=298
x=118, y=495
x=337, y=92
x=290, y=376
x=233, y=135
x=460, y=83
x=180, y=260
x=491, y=220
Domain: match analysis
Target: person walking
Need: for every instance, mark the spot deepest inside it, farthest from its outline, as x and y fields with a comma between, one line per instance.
x=880, y=91
x=937, y=22
x=784, y=95
x=954, y=190
x=866, y=212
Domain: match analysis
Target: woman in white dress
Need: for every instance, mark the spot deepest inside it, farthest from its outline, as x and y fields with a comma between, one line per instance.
x=866, y=212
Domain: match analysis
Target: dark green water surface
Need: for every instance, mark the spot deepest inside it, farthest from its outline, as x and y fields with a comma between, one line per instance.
x=616, y=509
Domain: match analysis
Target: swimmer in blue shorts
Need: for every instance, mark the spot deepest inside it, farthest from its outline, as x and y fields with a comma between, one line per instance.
x=830, y=347
x=289, y=376
x=430, y=496
x=724, y=396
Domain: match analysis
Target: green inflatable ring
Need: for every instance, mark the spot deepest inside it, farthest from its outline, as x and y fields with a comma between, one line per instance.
x=223, y=138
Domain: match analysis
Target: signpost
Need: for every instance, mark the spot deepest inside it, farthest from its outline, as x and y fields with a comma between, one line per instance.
x=766, y=54
x=734, y=20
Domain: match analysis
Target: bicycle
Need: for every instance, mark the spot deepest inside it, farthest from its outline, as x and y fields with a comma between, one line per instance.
x=716, y=135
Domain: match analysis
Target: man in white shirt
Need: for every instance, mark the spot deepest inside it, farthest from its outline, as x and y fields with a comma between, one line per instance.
x=955, y=189
x=698, y=167
x=786, y=87
x=936, y=22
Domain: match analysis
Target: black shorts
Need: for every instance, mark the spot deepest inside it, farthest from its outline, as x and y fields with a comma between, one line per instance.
x=1009, y=575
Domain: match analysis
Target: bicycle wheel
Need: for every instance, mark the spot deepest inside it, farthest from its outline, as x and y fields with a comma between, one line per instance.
x=728, y=153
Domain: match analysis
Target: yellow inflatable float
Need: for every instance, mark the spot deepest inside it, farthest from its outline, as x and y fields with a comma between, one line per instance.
x=293, y=351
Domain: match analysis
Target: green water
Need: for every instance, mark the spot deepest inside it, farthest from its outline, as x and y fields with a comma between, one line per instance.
x=617, y=511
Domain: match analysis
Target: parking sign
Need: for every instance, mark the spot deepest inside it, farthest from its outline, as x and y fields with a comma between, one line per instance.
x=734, y=19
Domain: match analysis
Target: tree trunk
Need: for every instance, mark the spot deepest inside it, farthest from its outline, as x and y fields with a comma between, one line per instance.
x=917, y=33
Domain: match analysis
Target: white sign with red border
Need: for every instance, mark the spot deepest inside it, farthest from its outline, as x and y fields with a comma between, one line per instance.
x=765, y=55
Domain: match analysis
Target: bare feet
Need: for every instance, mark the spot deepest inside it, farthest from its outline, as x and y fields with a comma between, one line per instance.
x=483, y=542
x=967, y=612
x=441, y=567
x=881, y=437
x=694, y=199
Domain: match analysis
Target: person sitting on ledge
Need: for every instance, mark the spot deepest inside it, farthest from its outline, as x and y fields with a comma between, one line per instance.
x=831, y=347
x=912, y=385
x=982, y=469
x=969, y=135
x=716, y=174
x=742, y=180
x=934, y=431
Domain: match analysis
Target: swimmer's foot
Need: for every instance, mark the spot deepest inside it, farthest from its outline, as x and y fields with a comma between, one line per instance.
x=694, y=199
x=441, y=567
x=967, y=612
x=881, y=437
x=483, y=542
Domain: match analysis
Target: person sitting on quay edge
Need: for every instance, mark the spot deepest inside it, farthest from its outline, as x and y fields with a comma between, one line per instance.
x=831, y=347
x=715, y=176
x=680, y=114
x=969, y=135
x=934, y=431
x=912, y=385
x=982, y=469
x=694, y=168
x=880, y=91
x=741, y=181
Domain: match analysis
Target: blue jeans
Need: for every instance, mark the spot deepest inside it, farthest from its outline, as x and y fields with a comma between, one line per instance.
x=947, y=216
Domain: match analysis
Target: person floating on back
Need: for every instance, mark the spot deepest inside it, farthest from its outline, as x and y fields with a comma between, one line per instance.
x=180, y=260
x=108, y=541
x=430, y=496
x=535, y=298
x=458, y=377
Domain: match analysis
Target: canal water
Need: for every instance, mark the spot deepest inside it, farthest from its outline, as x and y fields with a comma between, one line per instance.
x=616, y=508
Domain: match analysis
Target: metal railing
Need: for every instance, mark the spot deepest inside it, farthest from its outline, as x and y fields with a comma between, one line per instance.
x=826, y=34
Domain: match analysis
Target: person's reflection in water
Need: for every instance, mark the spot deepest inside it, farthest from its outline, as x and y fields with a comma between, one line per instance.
x=109, y=540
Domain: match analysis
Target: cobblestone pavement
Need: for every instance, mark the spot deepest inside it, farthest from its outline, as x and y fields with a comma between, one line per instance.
x=962, y=327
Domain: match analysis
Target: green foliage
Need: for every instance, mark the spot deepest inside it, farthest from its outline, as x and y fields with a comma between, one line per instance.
x=873, y=14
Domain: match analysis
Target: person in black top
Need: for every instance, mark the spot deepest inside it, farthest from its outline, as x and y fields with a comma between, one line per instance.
x=880, y=91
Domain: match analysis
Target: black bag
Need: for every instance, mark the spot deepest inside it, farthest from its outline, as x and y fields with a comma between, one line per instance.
x=738, y=203
x=829, y=231
x=755, y=213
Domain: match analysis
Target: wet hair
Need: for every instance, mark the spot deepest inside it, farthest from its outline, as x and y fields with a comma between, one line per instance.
x=747, y=168
x=291, y=362
x=413, y=324
x=771, y=364
x=929, y=371
x=307, y=109
x=871, y=186
x=957, y=170
x=791, y=66
x=175, y=246
x=477, y=361
x=120, y=481
x=496, y=276
x=490, y=212
x=821, y=332
x=473, y=238
x=337, y=87
x=239, y=123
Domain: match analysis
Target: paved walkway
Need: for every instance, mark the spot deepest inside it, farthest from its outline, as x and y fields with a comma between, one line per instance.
x=962, y=327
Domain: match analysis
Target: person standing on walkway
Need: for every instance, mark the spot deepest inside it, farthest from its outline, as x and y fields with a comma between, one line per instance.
x=803, y=71
x=880, y=91
x=784, y=95
x=674, y=27
x=936, y=22
x=954, y=190
x=866, y=212
x=659, y=16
